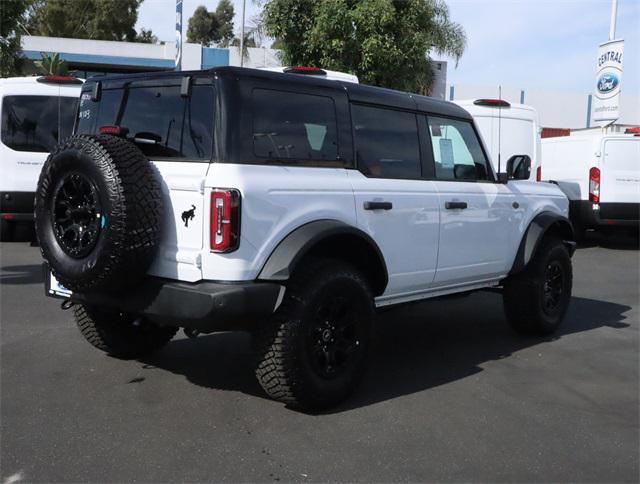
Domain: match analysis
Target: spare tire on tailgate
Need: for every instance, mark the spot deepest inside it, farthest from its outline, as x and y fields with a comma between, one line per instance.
x=98, y=213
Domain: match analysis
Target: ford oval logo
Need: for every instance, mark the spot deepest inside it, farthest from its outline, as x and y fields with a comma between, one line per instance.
x=607, y=82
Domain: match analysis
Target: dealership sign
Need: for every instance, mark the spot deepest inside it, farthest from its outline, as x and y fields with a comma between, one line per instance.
x=606, y=105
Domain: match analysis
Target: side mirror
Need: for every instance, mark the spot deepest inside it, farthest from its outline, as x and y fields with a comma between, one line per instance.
x=519, y=167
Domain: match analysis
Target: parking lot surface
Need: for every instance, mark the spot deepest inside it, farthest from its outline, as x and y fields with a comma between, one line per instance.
x=451, y=395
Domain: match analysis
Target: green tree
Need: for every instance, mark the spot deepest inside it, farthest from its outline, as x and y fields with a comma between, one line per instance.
x=51, y=64
x=225, y=14
x=207, y=28
x=12, y=14
x=146, y=36
x=384, y=42
x=203, y=27
x=85, y=19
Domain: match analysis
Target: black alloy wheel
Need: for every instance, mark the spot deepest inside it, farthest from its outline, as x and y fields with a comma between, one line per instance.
x=553, y=287
x=76, y=213
x=334, y=337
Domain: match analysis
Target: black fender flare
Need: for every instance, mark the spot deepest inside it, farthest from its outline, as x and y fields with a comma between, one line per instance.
x=541, y=225
x=298, y=243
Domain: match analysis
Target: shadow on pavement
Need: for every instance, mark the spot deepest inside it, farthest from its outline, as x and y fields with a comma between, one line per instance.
x=615, y=240
x=24, y=274
x=417, y=347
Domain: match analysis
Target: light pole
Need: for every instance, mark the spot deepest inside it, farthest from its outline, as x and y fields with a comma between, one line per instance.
x=614, y=14
x=244, y=4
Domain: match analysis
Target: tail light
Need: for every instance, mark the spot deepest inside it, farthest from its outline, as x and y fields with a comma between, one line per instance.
x=539, y=173
x=59, y=79
x=493, y=103
x=225, y=220
x=594, y=185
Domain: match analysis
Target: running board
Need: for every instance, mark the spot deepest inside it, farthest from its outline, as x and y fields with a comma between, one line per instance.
x=404, y=298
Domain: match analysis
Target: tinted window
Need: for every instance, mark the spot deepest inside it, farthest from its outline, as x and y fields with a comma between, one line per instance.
x=456, y=150
x=294, y=126
x=161, y=122
x=386, y=142
x=36, y=123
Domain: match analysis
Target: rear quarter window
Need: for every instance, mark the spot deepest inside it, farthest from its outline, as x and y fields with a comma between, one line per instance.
x=294, y=126
x=162, y=123
x=36, y=123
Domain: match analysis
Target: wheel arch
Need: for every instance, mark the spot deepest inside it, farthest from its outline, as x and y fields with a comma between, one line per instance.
x=544, y=224
x=327, y=238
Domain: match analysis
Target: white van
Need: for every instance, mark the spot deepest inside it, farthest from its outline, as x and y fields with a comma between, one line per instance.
x=35, y=113
x=600, y=174
x=508, y=129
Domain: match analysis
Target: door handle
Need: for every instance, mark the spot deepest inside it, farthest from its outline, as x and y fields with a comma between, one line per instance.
x=454, y=205
x=378, y=205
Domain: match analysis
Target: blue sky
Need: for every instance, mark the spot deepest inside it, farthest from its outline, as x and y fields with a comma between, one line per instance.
x=516, y=43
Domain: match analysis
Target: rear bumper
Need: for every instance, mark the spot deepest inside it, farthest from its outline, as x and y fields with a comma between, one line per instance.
x=204, y=306
x=17, y=206
x=591, y=215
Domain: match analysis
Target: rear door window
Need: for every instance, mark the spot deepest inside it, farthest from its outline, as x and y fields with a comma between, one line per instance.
x=386, y=142
x=36, y=123
x=162, y=123
x=294, y=126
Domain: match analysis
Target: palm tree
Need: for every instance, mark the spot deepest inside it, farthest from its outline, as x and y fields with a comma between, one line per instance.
x=52, y=65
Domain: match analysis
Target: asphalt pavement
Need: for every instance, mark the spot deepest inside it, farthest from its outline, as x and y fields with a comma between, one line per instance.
x=452, y=394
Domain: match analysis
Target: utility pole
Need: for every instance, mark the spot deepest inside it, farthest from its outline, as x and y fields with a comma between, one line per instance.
x=178, y=59
x=244, y=4
x=614, y=14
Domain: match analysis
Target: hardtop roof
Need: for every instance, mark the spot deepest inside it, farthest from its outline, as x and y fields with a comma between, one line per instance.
x=360, y=93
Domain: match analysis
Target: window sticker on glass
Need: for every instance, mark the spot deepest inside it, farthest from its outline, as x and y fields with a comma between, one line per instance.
x=446, y=152
x=315, y=135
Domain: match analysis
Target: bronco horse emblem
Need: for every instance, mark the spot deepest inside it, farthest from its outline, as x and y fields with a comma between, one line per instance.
x=188, y=215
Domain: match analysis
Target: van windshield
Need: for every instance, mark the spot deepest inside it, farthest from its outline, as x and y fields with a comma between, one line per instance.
x=36, y=123
x=161, y=122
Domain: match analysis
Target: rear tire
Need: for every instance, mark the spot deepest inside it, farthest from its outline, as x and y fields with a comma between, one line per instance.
x=537, y=299
x=7, y=230
x=121, y=335
x=313, y=353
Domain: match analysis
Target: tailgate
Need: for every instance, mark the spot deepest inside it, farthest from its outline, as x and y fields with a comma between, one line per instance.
x=180, y=252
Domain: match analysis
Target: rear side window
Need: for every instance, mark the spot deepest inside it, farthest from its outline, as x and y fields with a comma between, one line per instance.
x=386, y=142
x=294, y=126
x=36, y=123
x=457, y=151
x=162, y=123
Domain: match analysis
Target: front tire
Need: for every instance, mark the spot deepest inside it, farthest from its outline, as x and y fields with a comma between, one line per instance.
x=121, y=335
x=313, y=353
x=537, y=299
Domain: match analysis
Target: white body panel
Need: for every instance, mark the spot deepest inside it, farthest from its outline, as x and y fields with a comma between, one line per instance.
x=180, y=252
x=567, y=160
x=428, y=250
x=331, y=75
x=620, y=170
x=21, y=169
x=509, y=131
x=275, y=201
x=407, y=235
x=474, y=242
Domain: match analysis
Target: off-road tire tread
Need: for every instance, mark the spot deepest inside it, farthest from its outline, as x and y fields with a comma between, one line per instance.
x=135, y=220
x=278, y=369
x=521, y=291
x=120, y=341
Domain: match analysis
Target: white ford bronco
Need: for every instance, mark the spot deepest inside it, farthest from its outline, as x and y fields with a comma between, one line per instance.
x=290, y=206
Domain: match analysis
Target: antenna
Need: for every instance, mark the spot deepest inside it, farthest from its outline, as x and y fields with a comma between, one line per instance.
x=499, y=129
